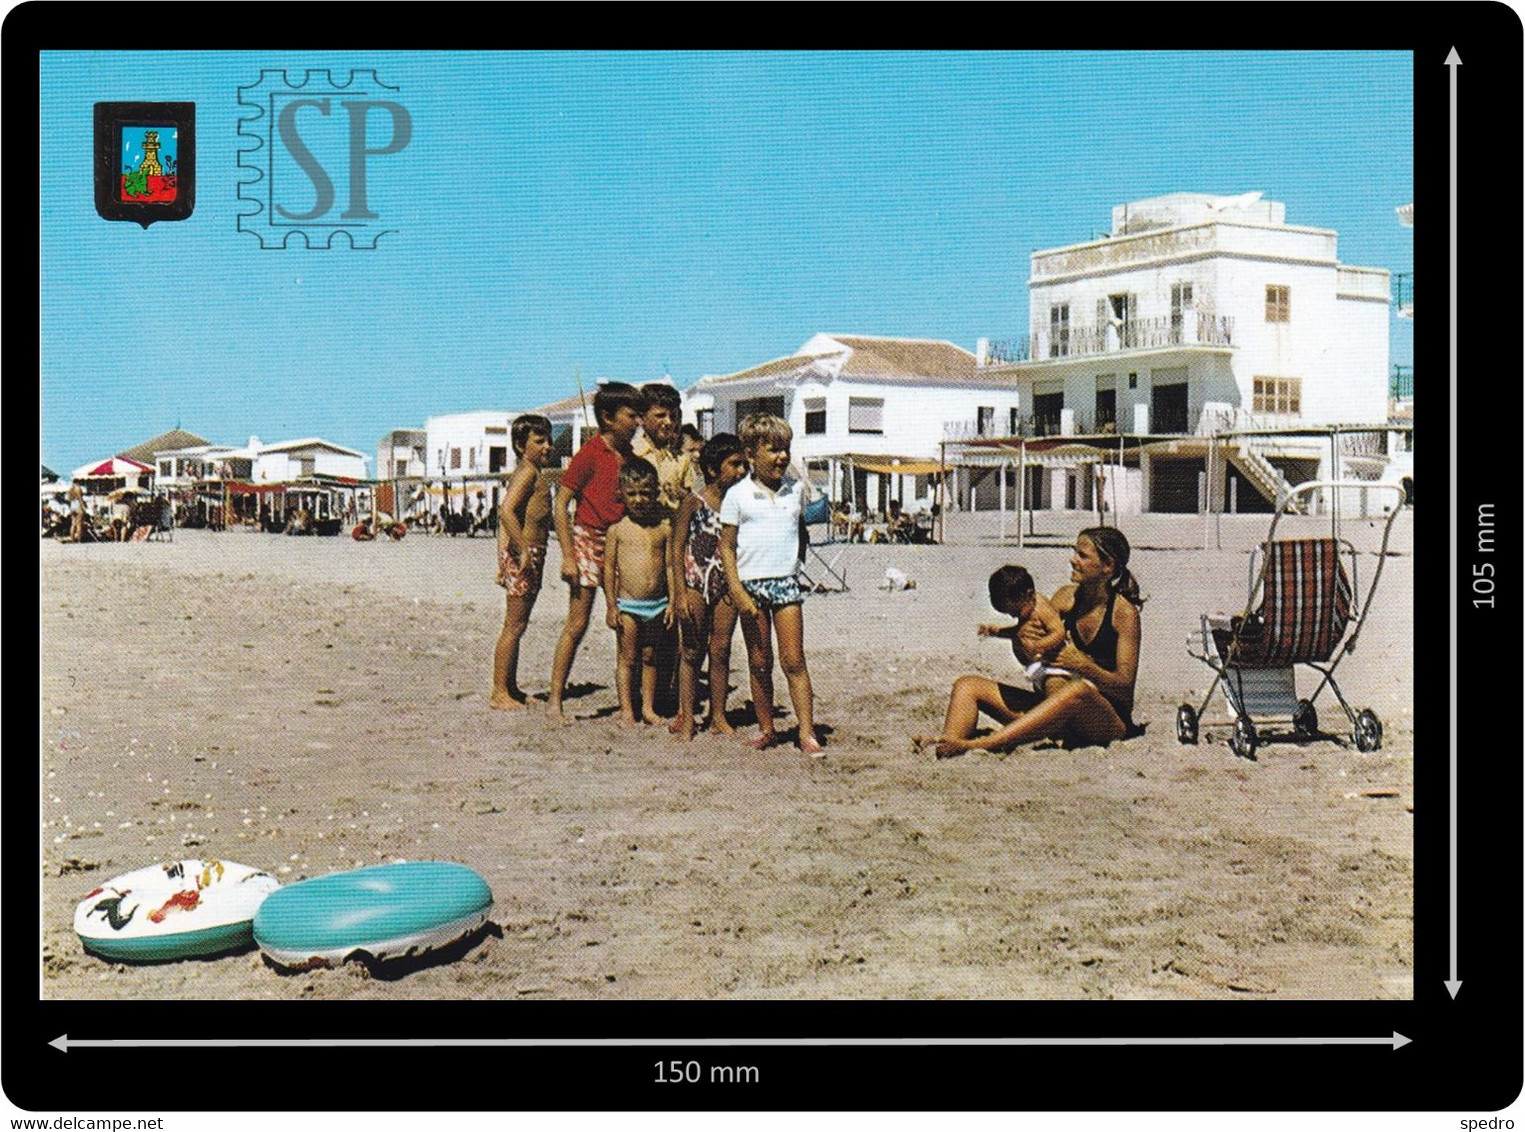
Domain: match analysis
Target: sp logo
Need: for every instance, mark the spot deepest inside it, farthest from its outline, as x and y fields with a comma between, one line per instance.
x=321, y=169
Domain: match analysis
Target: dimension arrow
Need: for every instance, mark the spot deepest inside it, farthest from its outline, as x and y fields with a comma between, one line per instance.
x=1453, y=984
x=64, y=1043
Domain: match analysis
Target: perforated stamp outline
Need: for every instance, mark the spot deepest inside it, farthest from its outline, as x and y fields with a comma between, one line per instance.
x=359, y=238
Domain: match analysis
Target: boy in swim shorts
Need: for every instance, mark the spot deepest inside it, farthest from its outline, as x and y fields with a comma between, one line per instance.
x=761, y=535
x=638, y=579
x=591, y=481
x=524, y=521
x=1039, y=632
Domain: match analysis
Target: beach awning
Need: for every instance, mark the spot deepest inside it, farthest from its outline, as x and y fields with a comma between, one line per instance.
x=893, y=465
x=111, y=469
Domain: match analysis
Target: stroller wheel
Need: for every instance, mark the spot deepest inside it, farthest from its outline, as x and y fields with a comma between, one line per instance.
x=1305, y=720
x=1186, y=724
x=1368, y=731
x=1244, y=740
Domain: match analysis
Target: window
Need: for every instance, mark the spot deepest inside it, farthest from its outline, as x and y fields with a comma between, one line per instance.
x=1119, y=311
x=985, y=422
x=749, y=405
x=1280, y=396
x=167, y=468
x=1106, y=410
x=497, y=458
x=1059, y=330
x=706, y=423
x=1011, y=426
x=1047, y=408
x=1180, y=303
x=455, y=457
x=1168, y=406
x=471, y=457
x=1278, y=303
x=815, y=416
x=865, y=415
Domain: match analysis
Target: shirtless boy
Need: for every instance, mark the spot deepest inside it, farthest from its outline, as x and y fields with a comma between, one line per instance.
x=637, y=583
x=524, y=521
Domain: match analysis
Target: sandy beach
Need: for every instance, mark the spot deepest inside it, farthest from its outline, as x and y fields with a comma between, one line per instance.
x=313, y=705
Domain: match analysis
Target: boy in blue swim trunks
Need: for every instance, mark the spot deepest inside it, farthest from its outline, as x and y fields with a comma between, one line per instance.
x=637, y=583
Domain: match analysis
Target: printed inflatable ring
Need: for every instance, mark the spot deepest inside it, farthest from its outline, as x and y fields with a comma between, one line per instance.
x=176, y=910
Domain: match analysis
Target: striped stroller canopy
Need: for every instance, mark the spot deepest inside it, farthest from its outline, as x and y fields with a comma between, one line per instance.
x=1305, y=606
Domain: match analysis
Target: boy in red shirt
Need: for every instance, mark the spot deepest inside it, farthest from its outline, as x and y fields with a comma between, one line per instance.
x=592, y=482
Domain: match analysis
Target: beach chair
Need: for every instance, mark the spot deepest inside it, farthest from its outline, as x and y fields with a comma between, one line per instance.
x=816, y=572
x=1303, y=609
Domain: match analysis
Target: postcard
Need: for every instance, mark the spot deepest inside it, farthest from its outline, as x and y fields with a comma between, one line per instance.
x=684, y=566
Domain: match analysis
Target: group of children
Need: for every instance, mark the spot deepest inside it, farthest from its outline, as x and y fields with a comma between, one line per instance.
x=678, y=562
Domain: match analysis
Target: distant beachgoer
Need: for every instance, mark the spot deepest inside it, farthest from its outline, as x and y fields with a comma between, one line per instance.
x=638, y=588
x=762, y=531
x=591, y=481
x=363, y=531
x=691, y=447
x=524, y=520
x=707, y=619
x=76, y=514
x=1102, y=651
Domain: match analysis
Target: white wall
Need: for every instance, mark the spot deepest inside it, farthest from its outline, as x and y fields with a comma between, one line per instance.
x=287, y=464
x=468, y=432
x=913, y=417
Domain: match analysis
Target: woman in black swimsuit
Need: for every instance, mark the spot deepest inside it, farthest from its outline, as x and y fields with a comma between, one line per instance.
x=1094, y=708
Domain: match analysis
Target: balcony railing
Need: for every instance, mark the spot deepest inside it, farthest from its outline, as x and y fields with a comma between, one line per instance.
x=1089, y=341
x=1401, y=388
x=1403, y=294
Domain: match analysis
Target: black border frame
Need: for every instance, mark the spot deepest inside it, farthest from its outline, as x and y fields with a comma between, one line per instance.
x=1466, y=1052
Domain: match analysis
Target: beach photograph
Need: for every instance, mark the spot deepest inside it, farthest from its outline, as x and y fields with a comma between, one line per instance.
x=1051, y=469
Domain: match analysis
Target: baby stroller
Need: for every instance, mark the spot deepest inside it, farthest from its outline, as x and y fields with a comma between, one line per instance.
x=1299, y=611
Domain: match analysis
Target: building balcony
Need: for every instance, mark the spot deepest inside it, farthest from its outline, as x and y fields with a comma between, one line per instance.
x=1403, y=294
x=1191, y=329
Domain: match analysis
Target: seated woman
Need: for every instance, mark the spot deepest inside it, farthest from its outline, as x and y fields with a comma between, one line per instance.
x=1095, y=706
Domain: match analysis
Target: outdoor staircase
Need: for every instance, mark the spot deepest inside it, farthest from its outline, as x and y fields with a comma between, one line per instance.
x=1263, y=475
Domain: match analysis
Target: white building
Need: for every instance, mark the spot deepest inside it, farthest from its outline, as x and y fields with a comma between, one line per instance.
x=469, y=446
x=292, y=460
x=1198, y=314
x=402, y=454
x=184, y=468
x=869, y=414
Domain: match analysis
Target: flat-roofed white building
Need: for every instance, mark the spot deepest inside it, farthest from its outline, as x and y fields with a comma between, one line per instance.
x=291, y=460
x=869, y=413
x=1199, y=314
x=402, y=454
x=469, y=446
x=187, y=467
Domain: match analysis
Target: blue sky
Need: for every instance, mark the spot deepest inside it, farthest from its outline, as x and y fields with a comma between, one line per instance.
x=634, y=214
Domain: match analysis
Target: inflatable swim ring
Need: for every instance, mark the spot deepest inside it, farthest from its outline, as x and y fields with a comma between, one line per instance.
x=384, y=912
x=176, y=910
